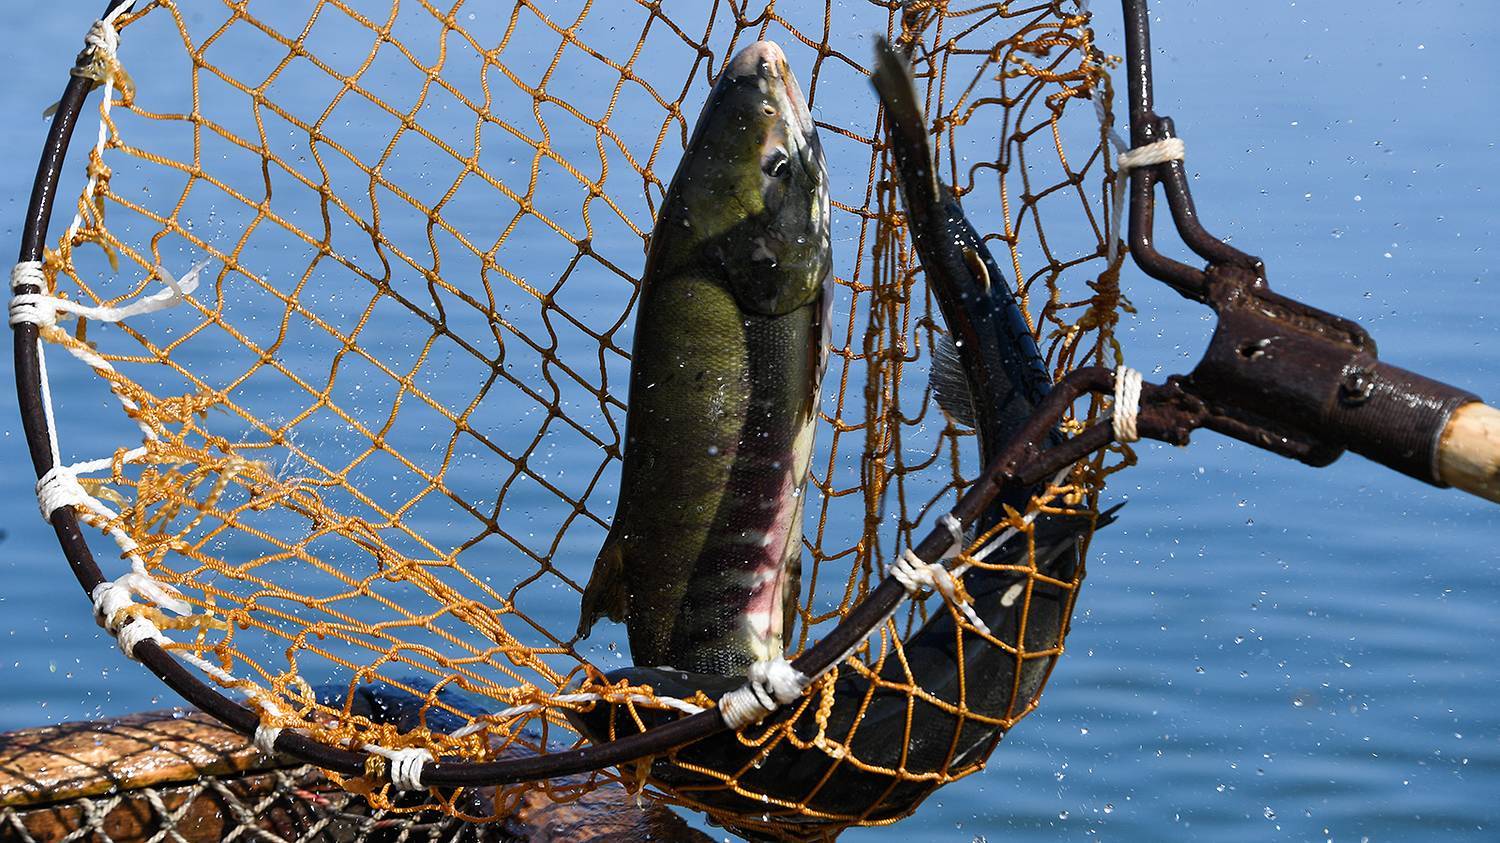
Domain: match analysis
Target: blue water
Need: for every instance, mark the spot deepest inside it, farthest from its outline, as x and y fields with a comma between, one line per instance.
x=1262, y=651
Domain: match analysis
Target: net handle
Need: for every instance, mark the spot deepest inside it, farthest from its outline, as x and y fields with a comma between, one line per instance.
x=1020, y=463
x=1279, y=374
x=1469, y=451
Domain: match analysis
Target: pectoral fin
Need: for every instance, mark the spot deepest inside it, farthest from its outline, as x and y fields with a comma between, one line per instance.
x=950, y=386
x=605, y=595
x=791, y=593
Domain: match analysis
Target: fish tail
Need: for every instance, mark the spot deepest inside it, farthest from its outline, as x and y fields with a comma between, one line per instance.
x=606, y=594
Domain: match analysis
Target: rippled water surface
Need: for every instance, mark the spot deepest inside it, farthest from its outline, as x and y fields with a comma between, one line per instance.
x=1262, y=651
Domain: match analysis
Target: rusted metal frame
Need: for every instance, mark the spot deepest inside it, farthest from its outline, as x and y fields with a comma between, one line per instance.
x=1277, y=374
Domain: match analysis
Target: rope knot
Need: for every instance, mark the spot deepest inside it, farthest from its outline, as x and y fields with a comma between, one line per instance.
x=955, y=529
x=58, y=488
x=772, y=684
x=98, y=60
x=113, y=602
x=28, y=273
x=1127, y=404
x=102, y=37
x=111, y=599
x=44, y=309
x=406, y=766
x=1160, y=152
x=34, y=308
x=917, y=576
x=264, y=739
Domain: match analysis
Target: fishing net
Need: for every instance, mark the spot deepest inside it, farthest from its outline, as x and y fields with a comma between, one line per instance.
x=183, y=777
x=354, y=284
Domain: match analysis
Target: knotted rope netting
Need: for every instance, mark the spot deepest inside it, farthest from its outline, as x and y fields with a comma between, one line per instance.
x=364, y=275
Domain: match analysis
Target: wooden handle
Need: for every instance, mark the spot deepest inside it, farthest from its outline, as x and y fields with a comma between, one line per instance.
x=1469, y=453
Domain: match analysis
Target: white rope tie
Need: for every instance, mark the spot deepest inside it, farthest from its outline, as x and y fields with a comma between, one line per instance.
x=265, y=739
x=44, y=310
x=1127, y=404
x=916, y=576
x=100, y=46
x=405, y=765
x=112, y=600
x=772, y=684
x=58, y=488
x=955, y=529
x=29, y=308
x=1126, y=159
x=103, y=37
x=1160, y=152
x=138, y=630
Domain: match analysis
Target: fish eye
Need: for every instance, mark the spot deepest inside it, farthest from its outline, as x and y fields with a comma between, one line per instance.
x=768, y=109
x=778, y=164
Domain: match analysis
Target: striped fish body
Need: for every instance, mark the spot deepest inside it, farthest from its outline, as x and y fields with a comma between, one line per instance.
x=702, y=561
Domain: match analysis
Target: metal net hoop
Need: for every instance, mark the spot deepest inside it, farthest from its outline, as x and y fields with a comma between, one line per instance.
x=363, y=277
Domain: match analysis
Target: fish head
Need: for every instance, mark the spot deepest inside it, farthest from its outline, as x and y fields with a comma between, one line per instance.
x=753, y=186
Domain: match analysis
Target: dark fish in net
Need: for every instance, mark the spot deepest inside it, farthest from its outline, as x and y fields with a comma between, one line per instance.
x=702, y=561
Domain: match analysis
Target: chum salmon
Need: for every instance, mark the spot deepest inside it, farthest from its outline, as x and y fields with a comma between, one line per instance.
x=703, y=558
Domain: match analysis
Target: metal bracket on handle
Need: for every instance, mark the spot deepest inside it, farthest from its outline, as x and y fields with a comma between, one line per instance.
x=1277, y=373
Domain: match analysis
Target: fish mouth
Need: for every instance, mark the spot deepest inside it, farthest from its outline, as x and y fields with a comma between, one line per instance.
x=766, y=60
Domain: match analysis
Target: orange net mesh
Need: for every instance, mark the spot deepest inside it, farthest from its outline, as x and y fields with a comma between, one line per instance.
x=383, y=435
